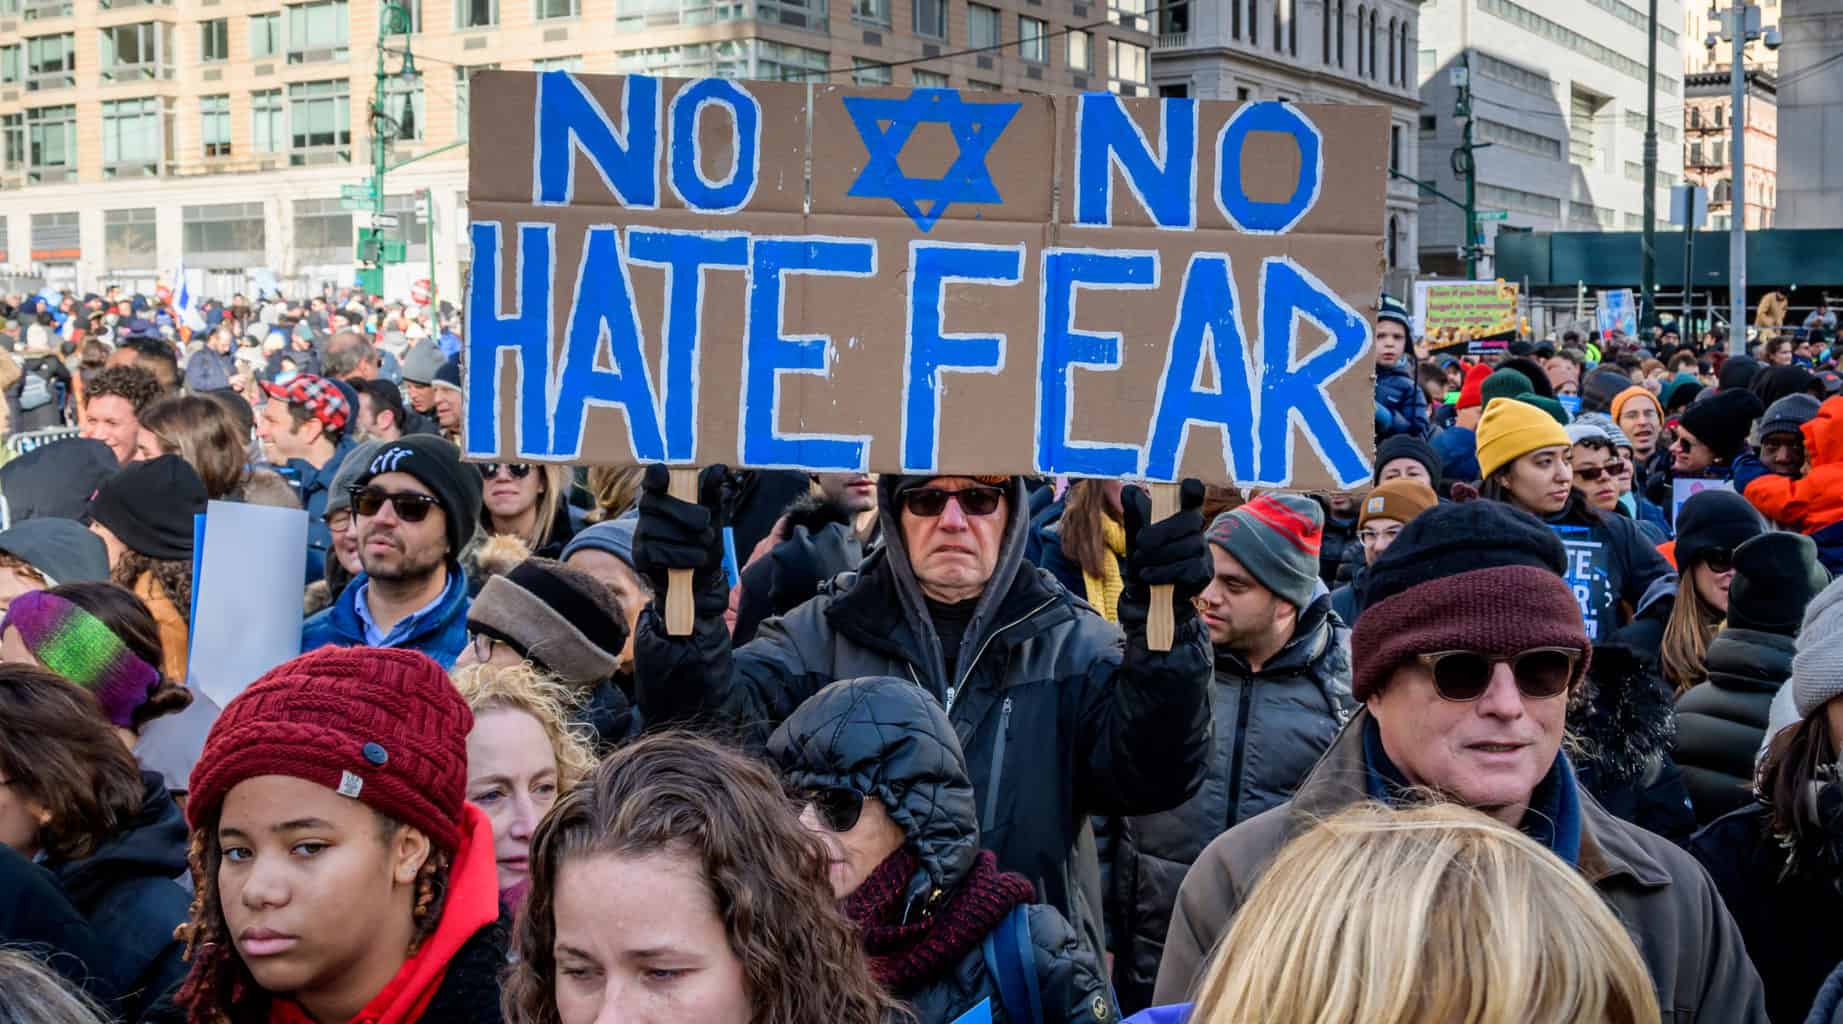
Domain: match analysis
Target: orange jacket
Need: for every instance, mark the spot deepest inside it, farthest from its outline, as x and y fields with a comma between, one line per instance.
x=1812, y=504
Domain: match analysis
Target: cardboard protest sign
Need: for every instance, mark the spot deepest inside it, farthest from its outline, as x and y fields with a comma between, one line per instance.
x=239, y=631
x=1588, y=576
x=841, y=279
x=1479, y=316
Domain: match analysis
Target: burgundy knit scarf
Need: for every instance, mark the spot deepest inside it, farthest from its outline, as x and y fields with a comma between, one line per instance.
x=903, y=956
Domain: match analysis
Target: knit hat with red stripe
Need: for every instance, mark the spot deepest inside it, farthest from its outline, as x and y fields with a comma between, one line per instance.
x=1276, y=537
x=379, y=725
x=1480, y=576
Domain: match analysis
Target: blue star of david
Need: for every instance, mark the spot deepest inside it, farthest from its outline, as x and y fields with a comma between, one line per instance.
x=976, y=128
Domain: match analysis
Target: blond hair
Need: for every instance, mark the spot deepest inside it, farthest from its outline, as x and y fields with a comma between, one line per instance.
x=525, y=688
x=1434, y=913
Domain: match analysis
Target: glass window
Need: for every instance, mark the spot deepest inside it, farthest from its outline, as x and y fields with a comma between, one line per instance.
x=808, y=14
x=214, y=112
x=876, y=12
x=317, y=32
x=1081, y=50
x=322, y=232
x=38, y=10
x=476, y=13
x=547, y=9
x=570, y=64
x=12, y=144
x=225, y=236
x=981, y=25
x=214, y=40
x=131, y=134
x=51, y=142
x=779, y=61
x=1126, y=61
x=56, y=236
x=928, y=79
x=633, y=15
x=12, y=64
x=931, y=18
x=1033, y=39
x=136, y=52
x=128, y=241
x=266, y=125
x=403, y=104
x=265, y=35
x=865, y=71
x=51, y=62
x=319, y=122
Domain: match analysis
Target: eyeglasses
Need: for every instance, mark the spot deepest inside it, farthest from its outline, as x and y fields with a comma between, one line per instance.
x=483, y=647
x=929, y=502
x=1376, y=536
x=410, y=506
x=338, y=522
x=1594, y=473
x=1719, y=560
x=839, y=808
x=1541, y=672
x=1684, y=444
x=519, y=470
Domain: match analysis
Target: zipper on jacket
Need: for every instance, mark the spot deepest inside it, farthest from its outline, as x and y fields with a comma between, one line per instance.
x=998, y=765
x=1245, y=703
x=953, y=691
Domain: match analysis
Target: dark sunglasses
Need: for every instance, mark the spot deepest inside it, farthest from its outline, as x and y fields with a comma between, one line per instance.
x=519, y=470
x=929, y=502
x=839, y=808
x=1541, y=672
x=410, y=507
x=1593, y=473
x=1719, y=560
x=1684, y=444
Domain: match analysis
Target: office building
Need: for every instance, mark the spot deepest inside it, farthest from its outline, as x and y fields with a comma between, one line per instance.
x=1309, y=51
x=1810, y=183
x=1708, y=130
x=139, y=135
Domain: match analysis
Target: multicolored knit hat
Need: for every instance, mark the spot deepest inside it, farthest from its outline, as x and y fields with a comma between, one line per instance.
x=84, y=650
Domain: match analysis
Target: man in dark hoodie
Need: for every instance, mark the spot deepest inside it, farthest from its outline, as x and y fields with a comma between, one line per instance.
x=1061, y=716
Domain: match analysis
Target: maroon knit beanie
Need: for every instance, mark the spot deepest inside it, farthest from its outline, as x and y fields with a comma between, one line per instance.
x=383, y=726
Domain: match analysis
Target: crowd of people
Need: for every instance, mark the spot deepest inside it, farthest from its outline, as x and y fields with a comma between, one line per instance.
x=1545, y=724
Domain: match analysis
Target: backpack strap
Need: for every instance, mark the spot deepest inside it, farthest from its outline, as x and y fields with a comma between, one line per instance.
x=1009, y=957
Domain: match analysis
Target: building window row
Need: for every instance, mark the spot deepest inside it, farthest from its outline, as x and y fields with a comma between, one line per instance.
x=1555, y=32
x=1519, y=201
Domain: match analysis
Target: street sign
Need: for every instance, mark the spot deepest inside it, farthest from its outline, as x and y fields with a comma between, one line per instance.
x=354, y=203
x=420, y=292
x=384, y=220
x=364, y=192
x=1494, y=215
x=395, y=251
x=1689, y=203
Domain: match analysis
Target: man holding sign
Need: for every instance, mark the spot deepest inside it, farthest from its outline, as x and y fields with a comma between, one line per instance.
x=1059, y=718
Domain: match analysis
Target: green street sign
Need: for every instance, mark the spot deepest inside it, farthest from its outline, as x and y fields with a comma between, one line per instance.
x=354, y=203
x=364, y=192
x=395, y=251
x=1494, y=215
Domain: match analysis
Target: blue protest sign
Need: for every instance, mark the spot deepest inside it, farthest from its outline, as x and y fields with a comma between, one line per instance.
x=1588, y=576
x=828, y=278
x=981, y=1014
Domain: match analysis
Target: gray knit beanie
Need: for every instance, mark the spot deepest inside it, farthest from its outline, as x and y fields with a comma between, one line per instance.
x=1276, y=537
x=1817, y=668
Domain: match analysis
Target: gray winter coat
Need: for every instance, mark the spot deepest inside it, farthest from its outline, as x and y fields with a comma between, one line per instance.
x=1060, y=716
x=1271, y=726
x=889, y=740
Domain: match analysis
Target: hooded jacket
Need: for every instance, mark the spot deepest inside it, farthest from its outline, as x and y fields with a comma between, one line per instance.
x=1722, y=720
x=1400, y=406
x=887, y=739
x=1271, y=726
x=1812, y=504
x=132, y=891
x=1060, y=717
x=439, y=632
x=1689, y=943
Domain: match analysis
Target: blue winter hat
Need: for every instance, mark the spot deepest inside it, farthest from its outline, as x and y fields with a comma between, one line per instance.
x=1391, y=308
x=615, y=536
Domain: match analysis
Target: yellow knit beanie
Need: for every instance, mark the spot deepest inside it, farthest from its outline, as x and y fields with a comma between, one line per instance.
x=1510, y=429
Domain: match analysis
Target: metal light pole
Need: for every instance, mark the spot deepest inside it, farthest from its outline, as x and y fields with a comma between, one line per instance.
x=1647, y=302
x=1739, y=14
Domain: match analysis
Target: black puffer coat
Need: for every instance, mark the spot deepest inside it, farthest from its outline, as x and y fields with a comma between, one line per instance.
x=1060, y=716
x=887, y=739
x=133, y=893
x=1722, y=721
x=1271, y=726
x=1620, y=719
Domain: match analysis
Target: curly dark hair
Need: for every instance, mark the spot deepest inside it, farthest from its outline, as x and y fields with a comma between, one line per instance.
x=136, y=385
x=219, y=988
x=173, y=577
x=671, y=791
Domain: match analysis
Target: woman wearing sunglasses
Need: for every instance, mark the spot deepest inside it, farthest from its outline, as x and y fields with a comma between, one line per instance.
x=876, y=772
x=1526, y=458
x=1710, y=526
x=527, y=501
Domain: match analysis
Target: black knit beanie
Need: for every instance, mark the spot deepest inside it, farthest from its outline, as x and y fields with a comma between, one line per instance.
x=1449, y=539
x=1775, y=576
x=1737, y=373
x=1406, y=446
x=1714, y=520
x=437, y=464
x=150, y=506
x=1538, y=377
x=1723, y=420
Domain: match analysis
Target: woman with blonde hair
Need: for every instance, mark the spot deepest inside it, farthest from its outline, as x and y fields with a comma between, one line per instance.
x=521, y=753
x=528, y=501
x=1435, y=913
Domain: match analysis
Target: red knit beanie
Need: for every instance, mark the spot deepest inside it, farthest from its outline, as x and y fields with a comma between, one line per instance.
x=1472, y=394
x=383, y=726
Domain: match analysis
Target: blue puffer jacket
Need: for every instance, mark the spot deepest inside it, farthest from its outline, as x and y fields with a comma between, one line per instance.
x=1457, y=448
x=1400, y=406
x=312, y=485
x=439, y=632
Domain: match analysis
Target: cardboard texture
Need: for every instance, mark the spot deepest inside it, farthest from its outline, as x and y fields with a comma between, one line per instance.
x=582, y=353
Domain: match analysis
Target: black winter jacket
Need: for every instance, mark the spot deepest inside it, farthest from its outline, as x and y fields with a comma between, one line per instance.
x=1271, y=726
x=1787, y=919
x=1635, y=574
x=133, y=892
x=891, y=741
x=1621, y=720
x=37, y=918
x=1722, y=721
x=1060, y=717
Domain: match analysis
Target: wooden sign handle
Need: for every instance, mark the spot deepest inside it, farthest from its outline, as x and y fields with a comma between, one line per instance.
x=1160, y=625
x=681, y=612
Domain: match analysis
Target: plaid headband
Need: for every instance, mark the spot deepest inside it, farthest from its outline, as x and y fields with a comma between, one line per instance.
x=80, y=647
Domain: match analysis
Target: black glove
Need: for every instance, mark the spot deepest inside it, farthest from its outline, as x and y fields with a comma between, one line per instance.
x=1171, y=551
x=674, y=534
